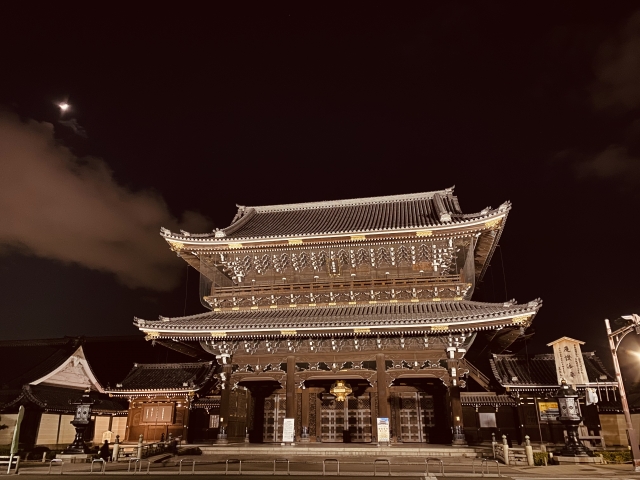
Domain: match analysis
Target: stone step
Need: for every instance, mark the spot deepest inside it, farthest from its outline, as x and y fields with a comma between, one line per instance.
x=324, y=450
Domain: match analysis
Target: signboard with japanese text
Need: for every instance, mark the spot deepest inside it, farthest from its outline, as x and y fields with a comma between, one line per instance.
x=569, y=361
x=288, y=431
x=548, y=411
x=383, y=430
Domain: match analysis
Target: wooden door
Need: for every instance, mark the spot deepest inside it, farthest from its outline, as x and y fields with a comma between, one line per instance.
x=359, y=419
x=416, y=416
x=275, y=407
x=348, y=421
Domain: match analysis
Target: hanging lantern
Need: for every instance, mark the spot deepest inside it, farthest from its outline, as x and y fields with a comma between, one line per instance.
x=341, y=390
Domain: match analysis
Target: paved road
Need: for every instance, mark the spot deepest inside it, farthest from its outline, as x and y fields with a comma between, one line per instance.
x=350, y=468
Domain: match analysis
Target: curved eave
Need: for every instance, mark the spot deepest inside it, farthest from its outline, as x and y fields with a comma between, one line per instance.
x=556, y=387
x=127, y=393
x=482, y=222
x=156, y=331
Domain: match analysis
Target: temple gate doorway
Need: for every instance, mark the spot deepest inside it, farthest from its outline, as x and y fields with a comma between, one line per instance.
x=275, y=407
x=416, y=416
x=348, y=421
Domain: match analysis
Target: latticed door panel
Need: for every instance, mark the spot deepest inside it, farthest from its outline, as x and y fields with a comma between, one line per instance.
x=350, y=419
x=275, y=408
x=416, y=416
x=332, y=421
x=359, y=419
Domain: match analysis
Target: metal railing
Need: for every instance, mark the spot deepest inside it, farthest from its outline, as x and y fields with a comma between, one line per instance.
x=103, y=465
x=433, y=459
x=331, y=460
x=56, y=460
x=137, y=465
x=485, y=463
x=381, y=460
x=193, y=465
x=281, y=460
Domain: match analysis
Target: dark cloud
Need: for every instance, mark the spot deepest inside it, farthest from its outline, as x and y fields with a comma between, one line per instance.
x=617, y=69
x=614, y=163
x=61, y=207
x=74, y=126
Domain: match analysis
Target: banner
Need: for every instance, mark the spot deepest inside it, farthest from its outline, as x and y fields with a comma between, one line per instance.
x=16, y=432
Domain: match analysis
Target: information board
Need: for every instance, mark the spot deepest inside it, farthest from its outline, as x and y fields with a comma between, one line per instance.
x=288, y=431
x=549, y=411
x=383, y=430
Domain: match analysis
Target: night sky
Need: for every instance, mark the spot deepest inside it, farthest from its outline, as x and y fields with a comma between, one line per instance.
x=179, y=114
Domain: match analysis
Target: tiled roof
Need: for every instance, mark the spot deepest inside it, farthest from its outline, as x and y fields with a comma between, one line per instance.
x=397, y=212
x=37, y=358
x=110, y=358
x=173, y=377
x=58, y=399
x=457, y=315
x=206, y=402
x=540, y=370
x=485, y=398
x=609, y=402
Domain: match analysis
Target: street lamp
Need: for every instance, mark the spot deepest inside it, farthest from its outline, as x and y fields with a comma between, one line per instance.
x=633, y=324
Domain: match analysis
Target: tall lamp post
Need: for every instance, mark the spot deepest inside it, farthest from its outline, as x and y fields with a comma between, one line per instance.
x=633, y=324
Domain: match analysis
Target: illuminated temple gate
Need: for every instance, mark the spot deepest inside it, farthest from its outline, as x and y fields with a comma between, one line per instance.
x=374, y=292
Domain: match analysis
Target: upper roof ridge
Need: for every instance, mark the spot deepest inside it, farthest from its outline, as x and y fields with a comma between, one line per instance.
x=348, y=202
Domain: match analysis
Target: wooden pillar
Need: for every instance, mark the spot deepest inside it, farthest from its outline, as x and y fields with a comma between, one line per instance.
x=520, y=419
x=225, y=395
x=383, y=402
x=291, y=387
x=304, y=416
x=456, y=416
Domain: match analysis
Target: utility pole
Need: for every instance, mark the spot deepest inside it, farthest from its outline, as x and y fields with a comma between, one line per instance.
x=614, y=342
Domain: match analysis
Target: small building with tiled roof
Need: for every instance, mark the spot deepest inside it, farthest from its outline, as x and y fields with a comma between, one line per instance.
x=161, y=398
x=532, y=382
x=47, y=375
x=519, y=373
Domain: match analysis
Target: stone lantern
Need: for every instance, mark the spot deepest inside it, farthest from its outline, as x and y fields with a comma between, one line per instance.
x=569, y=417
x=80, y=421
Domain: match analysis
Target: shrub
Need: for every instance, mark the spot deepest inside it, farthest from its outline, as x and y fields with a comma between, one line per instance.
x=540, y=458
x=615, y=456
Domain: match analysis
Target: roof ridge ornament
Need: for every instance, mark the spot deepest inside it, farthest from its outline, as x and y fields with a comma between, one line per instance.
x=505, y=206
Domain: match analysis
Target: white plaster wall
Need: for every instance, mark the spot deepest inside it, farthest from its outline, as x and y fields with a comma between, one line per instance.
x=6, y=435
x=67, y=431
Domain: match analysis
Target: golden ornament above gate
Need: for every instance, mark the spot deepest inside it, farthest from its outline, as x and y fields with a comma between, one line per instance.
x=341, y=390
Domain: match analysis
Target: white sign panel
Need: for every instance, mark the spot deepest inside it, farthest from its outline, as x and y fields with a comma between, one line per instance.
x=569, y=361
x=288, y=431
x=383, y=430
x=487, y=420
